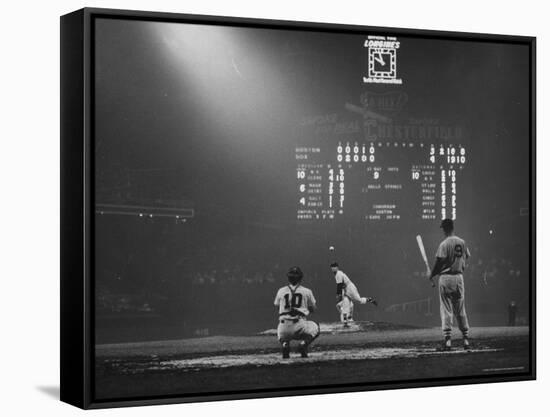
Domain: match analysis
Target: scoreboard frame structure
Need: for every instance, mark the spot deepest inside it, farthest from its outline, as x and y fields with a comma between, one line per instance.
x=78, y=207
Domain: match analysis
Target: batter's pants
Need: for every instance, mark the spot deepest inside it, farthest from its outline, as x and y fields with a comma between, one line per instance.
x=451, y=303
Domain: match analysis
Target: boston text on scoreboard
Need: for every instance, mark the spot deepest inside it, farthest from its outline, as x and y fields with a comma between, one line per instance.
x=387, y=180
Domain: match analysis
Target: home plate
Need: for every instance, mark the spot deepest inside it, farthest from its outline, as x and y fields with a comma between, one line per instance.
x=270, y=359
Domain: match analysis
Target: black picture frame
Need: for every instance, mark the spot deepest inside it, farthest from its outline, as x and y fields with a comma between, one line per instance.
x=77, y=206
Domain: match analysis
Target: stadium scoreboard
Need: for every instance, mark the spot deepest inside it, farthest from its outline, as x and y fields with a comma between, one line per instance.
x=379, y=181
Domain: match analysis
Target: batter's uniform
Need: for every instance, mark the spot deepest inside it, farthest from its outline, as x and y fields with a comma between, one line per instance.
x=294, y=302
x=349, y=287
x=454, y=253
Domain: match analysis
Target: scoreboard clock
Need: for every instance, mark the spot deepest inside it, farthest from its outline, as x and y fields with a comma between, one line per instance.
x=382, y=63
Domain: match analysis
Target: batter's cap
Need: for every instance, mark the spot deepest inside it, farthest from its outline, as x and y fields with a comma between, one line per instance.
x=447, y=224
x=334, y=264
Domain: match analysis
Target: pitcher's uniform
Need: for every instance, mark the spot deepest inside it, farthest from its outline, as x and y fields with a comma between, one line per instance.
x=293, y=302
x=350, y=289
x=454, y=252
x=345, y=308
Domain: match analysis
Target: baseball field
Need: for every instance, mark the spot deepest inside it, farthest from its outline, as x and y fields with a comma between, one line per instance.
x=368, y=352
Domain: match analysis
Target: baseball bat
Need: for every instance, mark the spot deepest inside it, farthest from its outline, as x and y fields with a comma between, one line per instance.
x=423, y=252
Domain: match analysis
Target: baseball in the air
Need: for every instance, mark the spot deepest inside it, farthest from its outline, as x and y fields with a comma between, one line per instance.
x=331, y=248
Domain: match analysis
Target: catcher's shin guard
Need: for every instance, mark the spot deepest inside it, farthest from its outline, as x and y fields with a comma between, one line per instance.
x=302, y=348
x=285, y=350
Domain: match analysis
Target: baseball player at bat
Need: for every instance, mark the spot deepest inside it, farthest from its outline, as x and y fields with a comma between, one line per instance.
x=346, y=288
x=449, y=266
x=295, y=303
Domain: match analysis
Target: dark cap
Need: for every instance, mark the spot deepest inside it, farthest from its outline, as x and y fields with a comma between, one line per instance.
x=334, y=264
x=294, y=275
x=447, y=224
x=295, y=272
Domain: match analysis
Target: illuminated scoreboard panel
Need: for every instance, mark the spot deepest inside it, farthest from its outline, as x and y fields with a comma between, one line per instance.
x=379, y=181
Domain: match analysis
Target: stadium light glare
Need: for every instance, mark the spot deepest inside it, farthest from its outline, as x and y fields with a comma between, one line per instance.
x=216, y=65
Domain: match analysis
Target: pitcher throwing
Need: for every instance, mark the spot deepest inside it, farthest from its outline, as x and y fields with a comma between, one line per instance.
x=345, y=287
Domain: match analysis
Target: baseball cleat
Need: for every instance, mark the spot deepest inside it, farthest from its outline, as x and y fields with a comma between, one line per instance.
x=286, y=350
x=372, y=301
x=445, y=346
x=302, y=348
x=467, y=344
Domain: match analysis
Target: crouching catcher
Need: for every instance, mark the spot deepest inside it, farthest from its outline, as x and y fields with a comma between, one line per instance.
x=295, y=304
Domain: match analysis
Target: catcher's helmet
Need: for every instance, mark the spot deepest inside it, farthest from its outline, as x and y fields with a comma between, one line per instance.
x=294, y=275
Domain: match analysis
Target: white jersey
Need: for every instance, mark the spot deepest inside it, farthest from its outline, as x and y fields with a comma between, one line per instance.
x=294, y=300
x=342, y=278
x=349, y=287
